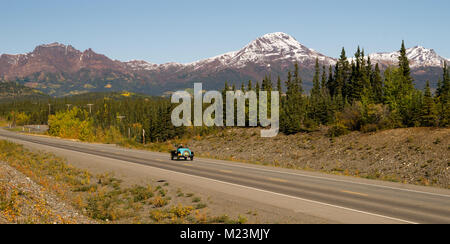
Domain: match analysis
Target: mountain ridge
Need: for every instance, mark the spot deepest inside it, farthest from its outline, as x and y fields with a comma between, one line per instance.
x=60, y=69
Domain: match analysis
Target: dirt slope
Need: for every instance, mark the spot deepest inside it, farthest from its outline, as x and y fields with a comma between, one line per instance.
x=412, y=155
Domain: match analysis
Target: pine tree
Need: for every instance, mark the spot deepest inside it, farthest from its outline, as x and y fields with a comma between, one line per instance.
x=443, y=97
x=257, y=89
x=249, y=86
x=341, y=75
x=331, y=84
x=323, y=83
x=297, y=79
x=403, y=63
x=377, y=85
x=428, y=113
x=293, y=112
x=315, y=92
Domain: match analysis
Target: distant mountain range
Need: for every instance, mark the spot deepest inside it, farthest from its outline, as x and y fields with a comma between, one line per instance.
x=61, y=70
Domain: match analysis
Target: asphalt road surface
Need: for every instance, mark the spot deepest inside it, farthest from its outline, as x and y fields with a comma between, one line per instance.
x=337, y=198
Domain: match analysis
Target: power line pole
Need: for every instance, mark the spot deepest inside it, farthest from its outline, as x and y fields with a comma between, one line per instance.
x=143, y=136
x=90, y=108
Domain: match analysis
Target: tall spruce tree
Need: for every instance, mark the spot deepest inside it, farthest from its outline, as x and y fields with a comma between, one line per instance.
x=341, y=75
x=293, y=112
x=323, y=82
x=279, y=87
x=377, y=85
x=428, y=114
x=403, y=63
x=315, y=92
x=297, y=79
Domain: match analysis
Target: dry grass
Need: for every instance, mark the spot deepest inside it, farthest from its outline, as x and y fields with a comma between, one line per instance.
x=102, y=198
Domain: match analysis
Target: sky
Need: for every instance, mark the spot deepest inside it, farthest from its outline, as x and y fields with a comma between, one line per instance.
x=186, y=31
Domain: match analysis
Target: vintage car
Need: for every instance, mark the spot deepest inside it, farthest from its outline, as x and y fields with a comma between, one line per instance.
x=182, y=153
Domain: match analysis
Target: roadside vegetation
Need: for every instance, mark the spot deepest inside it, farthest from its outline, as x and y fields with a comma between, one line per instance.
x=101, y=198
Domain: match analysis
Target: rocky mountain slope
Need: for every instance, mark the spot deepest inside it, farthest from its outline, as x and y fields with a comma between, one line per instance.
x=59, y=70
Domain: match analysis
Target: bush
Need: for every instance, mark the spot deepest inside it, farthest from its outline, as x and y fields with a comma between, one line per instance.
x=365, y=117
x=351, y=117
x=337, y=130
x=73, y=124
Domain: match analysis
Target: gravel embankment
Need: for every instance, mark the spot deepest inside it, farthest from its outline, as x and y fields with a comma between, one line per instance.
x=23, y=201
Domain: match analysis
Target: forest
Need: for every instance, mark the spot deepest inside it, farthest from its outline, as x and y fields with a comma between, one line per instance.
x=354, y=95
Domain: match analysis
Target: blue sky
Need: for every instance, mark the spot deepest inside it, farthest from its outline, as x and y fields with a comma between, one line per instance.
x=185, y=31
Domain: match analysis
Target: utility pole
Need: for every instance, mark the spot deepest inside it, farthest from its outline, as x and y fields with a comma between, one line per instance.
x=143, y=136
x=90, y=108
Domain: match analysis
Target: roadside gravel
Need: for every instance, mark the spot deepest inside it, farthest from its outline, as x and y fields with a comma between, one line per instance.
x=22, y=201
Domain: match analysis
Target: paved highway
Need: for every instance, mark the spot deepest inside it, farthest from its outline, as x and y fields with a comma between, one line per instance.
x=339, y=198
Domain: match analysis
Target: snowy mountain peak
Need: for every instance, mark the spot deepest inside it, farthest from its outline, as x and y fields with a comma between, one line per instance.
x=140, y=65
x=418, y=56
x=274, y=42
x=276, y=46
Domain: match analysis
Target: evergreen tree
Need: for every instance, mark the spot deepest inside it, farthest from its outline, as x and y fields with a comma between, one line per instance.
x=279, y=87
x=297, y=79
x=249, y=86
x=293, y=112
x=377, y=85
x=428, y=113
x=443, y=97
x=403, y=63
x=341, y=75
x=315, y=92
x=331, y=84
x=323, y=82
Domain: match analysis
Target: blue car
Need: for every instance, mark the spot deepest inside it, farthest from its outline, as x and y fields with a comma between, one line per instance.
x=182, y=153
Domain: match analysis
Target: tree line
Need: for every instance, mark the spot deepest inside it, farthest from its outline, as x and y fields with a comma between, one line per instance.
x=352, y=95
x=356, y=95
x=140, y=118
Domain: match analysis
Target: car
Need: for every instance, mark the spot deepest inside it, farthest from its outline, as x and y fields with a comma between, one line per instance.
x=182, y=153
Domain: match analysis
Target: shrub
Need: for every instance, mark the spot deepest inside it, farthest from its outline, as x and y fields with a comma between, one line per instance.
x=337, y=130
x=365, y=117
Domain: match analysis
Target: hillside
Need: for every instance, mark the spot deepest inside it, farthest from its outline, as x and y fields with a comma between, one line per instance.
x=11, y=90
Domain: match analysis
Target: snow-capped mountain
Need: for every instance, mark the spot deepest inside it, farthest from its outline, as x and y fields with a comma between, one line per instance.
x=59, y=69
x=270, y=48
x=418, y=57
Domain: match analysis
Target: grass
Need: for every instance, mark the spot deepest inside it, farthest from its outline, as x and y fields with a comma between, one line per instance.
x=102, y=198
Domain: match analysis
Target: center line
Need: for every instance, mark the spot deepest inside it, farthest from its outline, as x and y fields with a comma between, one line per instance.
x=355, y=193
x=276, y=179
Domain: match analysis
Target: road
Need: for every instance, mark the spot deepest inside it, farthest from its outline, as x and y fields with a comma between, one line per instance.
x=338, y=198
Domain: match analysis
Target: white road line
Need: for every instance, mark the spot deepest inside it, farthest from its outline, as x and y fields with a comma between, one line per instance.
x=260, y=190
x=284, y=195
x=325, y=178
x=311, y=176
